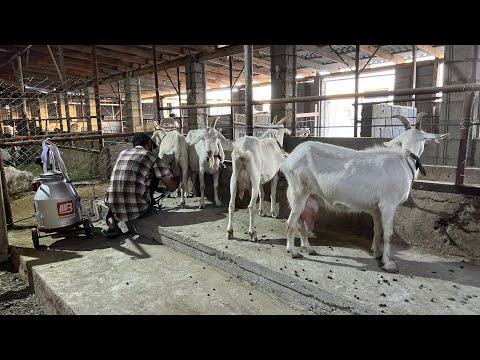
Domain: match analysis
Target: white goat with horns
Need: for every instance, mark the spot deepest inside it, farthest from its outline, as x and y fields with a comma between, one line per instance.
x=172, y=148
x=206, y=155
x=375, y=181
x=255, y=161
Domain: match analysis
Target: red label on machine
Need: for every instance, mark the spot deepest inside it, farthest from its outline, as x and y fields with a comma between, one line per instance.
x=65, y=208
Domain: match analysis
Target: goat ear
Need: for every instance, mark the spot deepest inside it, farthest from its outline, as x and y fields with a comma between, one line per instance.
x=436, y=137
x=392, y=143
x=194, y=137
x=156, y=126
x=279, y=134
x=236, y=150
x=274, y=119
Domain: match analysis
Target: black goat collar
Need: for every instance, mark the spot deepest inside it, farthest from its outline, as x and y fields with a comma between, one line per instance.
x=418, y=165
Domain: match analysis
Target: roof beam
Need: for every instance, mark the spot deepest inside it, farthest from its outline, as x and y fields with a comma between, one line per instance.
x=431, y=51
x=177, y=63
x=108, y=53
x=330, y=55
x=78, y=55
x=382, y=54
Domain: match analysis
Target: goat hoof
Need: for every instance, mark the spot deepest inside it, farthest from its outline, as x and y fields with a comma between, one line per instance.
x=182, y=205
x=219, y=204
x=274, y=215
x=261, y=213
x=296, y=255
x=230, y=234
x=390, y=267
x=253, y=236
x=311, y=252
x=377, y=253
x=202, y=206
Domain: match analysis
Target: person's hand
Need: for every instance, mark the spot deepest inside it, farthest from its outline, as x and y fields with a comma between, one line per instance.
x=175, y=169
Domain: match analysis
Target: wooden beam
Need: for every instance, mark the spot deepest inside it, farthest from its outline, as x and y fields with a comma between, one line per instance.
x=74, y=55
x=176, y=63
x=431, y=51
x=331, y=55
x=383, y=54
x=309, y=64
x=109, y=53
x=227, y=51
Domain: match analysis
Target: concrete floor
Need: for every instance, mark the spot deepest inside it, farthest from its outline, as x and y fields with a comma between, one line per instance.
x=201, y=272
x=343, y=276
x=134, y=275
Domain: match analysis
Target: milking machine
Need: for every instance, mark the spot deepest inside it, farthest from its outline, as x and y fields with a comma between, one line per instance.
x=57, y=204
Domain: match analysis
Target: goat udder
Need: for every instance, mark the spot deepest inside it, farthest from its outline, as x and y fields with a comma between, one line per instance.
x=242, y=187
x=242, y=190
x=243, y=183
x=308, y=214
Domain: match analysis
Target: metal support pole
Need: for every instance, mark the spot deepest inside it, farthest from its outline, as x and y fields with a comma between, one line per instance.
x=357, y=74
x=120, y=106
x=3, y=227
x=24, y=100
x=248, y=89
x=180, y=99
x=96, y=86
x=157, y=94
x=232, y=115
x=60, y=75
x=59, y=110
x=64, y=79
x=318, y=130
x=464, y=130
x=414, y=74
x=6, y=199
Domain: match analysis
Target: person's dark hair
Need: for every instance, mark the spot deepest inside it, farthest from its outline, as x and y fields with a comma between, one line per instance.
x=142, y=139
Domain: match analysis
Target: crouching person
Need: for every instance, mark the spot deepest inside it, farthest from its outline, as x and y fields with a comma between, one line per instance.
x=135, y=177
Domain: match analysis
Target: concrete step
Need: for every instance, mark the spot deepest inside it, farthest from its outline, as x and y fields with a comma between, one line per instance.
x=344, y=278
x=136, y=275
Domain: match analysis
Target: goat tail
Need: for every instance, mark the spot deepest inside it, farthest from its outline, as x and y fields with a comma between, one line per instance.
x=241, y=155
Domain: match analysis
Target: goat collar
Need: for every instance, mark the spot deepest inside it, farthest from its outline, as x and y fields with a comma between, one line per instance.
x=222, y=165
x=418, y=165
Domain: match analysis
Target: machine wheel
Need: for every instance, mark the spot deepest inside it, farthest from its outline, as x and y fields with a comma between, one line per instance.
x=88, y=228
x=36, y=243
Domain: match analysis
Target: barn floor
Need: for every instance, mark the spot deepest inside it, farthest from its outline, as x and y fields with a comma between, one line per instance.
x=132, y=274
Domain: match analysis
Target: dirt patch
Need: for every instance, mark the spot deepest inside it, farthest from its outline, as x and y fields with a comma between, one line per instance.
x=16, y=298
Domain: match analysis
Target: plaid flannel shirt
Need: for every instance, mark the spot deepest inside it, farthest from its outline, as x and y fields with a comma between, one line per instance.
x=128, y=195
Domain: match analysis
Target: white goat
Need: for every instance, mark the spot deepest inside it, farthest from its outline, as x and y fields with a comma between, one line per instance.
x=375, y=181
x=255, y=161
x=7, y=158
x=273, y=131
x=305, y=132
x=206, y=155
x=18, y=180
x=172, y=148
